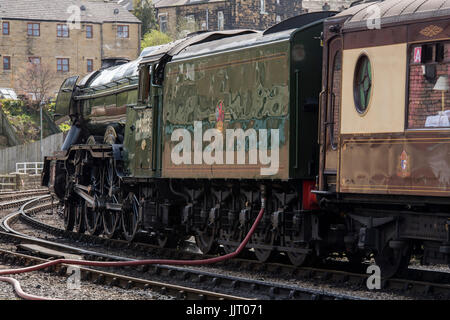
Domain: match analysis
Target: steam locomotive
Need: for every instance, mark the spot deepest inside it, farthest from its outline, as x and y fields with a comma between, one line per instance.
x=332, y=118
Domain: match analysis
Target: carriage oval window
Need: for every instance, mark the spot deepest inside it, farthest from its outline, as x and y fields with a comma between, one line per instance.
x=362, y=84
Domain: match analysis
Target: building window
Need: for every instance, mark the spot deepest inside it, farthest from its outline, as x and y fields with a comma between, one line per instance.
x=123, y=32
x=263, y=7
x=362, y=84
x=163, y=23
x=220, y=20
x=429, y=86
x=5, y=28
x=6, y=63
x=34, y=29
x=62, y=64
x=62, y=31
x=90, y=65
x=278, y=19
x=190, y=22
x=89, y=32
x=34, y=60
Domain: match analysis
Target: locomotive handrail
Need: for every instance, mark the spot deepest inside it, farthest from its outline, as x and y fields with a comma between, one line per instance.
x=106, y=93
x=320, y=114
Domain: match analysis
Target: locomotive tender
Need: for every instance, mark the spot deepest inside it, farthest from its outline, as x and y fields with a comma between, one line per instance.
x=331, y=118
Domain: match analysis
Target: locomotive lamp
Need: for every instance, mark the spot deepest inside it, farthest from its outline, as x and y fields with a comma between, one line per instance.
x=442, y=85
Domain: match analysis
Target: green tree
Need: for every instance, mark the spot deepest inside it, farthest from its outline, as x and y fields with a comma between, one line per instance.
x=154, y=38
x=145, y=12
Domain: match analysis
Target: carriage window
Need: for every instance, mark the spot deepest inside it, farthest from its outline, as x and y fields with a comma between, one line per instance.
x=428, y=105
x=362, y=84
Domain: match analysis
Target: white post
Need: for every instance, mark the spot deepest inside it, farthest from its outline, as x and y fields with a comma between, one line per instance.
x=41, y=105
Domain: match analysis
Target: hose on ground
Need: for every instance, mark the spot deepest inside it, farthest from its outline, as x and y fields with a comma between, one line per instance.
x=228, y=256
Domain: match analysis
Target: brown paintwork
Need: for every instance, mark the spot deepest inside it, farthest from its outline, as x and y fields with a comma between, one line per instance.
x=421, y=32
x=428, y=31
x=372, y=38
x=373, y=164
x=414, y=162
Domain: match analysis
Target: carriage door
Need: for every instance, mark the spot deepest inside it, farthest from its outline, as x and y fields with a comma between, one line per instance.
x=332, y=111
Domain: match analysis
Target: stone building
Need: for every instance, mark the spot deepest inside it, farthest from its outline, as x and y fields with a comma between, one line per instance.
x=69, y=37
x=319, y=5
x=176, y=17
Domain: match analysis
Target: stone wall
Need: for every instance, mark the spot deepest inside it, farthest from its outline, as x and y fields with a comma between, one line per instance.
x=251, y=14
x=238, y=14
x=20, y=181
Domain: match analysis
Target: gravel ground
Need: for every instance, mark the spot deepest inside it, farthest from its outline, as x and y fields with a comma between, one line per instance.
x=48, y=285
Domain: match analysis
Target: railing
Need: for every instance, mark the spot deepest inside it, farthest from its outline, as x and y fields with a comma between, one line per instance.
x=29, y=167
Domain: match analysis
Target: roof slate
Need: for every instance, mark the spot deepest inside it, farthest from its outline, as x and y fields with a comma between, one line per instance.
x=176, y=3
x=64, y=10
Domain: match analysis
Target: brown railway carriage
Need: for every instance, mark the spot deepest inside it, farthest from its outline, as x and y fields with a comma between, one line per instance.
x=385, y=131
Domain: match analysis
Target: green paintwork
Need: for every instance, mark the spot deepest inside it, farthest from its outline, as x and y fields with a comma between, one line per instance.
x=272, y=86
x=251, y=83
x=306, y=79
x=64, y=101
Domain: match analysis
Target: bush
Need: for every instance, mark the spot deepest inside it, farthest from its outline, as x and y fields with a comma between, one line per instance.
x=24, y=119
x=65, y=126
x=154, y=38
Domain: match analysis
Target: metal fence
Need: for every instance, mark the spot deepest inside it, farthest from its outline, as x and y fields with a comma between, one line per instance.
x=29, y=167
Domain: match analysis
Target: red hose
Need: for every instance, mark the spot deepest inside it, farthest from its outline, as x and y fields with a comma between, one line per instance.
x=138, y=262
x=20, y=292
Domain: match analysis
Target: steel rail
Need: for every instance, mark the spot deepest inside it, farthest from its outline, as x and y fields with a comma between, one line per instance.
x=111, y=279
x=270, y=290
x=415, y=282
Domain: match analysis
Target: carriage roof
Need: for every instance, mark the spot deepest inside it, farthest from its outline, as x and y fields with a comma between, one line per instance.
x=395, y=12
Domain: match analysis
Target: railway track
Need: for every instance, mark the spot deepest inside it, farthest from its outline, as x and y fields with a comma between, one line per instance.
x=16, y=199
x=203, y=281
x=414, y=283
x=117, y=280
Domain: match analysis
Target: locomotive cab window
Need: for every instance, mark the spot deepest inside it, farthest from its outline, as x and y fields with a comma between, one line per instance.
x=362, y=84
x=428, y=105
